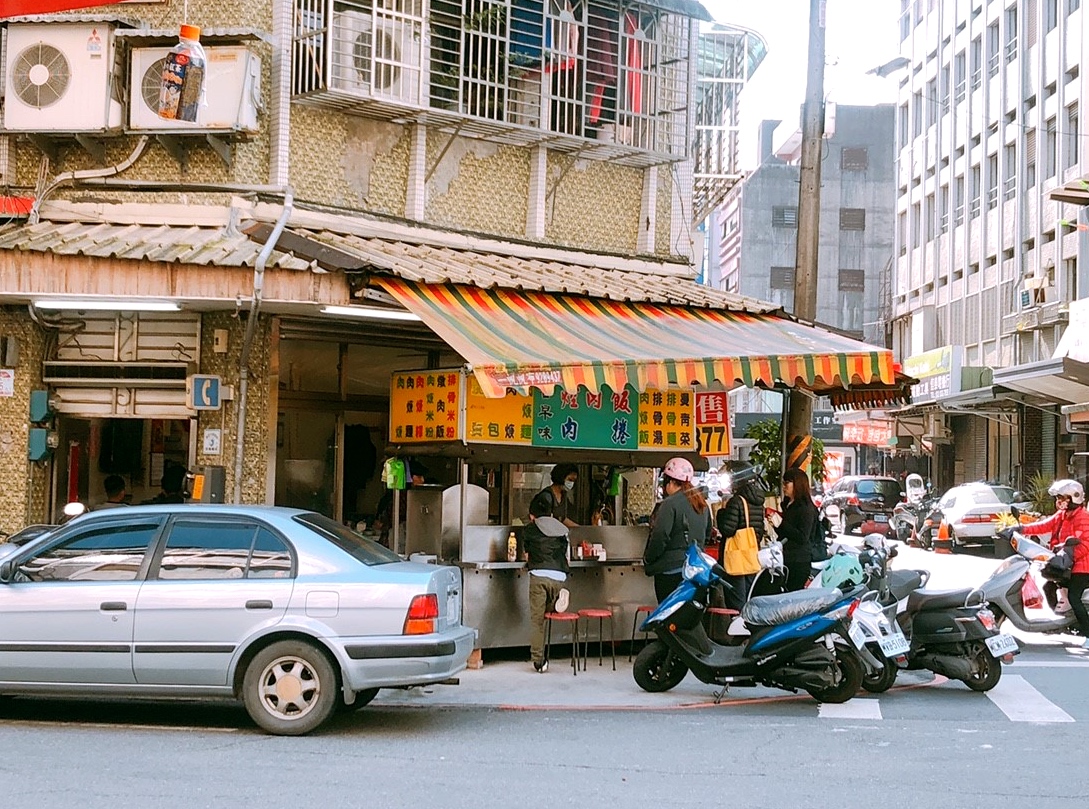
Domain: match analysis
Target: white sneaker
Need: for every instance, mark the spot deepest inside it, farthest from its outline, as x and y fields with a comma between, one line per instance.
x=563, y=600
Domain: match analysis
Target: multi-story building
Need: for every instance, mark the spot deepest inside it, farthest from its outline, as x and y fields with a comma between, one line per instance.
x=235, y=293
x=989, y=128
x=754, y=248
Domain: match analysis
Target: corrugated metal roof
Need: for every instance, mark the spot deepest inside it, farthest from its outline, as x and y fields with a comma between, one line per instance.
x=445, y=265
x=218, y=246
x=83, y=19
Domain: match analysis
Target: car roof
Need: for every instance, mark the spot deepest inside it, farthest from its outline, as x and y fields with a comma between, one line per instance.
x=273, y=512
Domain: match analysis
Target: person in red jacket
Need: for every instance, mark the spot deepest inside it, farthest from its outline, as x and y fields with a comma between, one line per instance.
x=1069, y=520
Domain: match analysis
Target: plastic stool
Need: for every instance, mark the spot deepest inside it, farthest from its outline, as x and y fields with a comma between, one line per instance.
x=571, y=618
x=635, y=623
x=601, y=615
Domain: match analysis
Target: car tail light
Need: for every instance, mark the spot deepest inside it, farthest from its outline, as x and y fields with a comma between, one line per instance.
x=423, y=613
x=852, y=500
x=979, y=518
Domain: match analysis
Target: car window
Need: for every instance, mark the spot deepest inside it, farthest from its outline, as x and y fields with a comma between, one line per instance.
x=106, y=553
x=365, y=550
x=992, y=494
x=885, y=488
x=198, y=549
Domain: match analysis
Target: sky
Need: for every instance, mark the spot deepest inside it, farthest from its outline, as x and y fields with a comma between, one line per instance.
x=861, y=34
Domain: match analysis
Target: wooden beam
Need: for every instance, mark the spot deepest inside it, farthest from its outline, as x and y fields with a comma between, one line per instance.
x=328, y=257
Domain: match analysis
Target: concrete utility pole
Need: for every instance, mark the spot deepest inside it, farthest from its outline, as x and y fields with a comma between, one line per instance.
x=800, y=410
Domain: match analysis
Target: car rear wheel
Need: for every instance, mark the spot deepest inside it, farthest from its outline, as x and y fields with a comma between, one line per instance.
x=290, y=688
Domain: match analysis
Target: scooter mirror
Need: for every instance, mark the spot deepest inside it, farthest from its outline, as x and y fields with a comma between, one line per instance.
x=1016, y=512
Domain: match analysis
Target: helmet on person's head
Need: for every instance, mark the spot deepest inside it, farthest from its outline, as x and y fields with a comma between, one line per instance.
x=1066, y=487
x=844, y=571
x=679, y=469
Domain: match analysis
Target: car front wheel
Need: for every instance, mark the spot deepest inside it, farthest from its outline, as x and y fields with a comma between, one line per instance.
x=290, y=688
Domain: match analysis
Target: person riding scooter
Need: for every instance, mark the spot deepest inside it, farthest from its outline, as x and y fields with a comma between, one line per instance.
x=1070, y=520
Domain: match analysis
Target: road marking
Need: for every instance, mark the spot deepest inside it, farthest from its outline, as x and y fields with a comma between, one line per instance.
x=852, y=709
x=1054, y=664
x=1022, y=703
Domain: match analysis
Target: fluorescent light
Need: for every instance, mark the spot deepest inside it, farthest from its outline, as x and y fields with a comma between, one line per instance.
x=106, y=305
x=368, y=311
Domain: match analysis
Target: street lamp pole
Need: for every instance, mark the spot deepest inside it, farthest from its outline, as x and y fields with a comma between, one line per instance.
x=800, y=410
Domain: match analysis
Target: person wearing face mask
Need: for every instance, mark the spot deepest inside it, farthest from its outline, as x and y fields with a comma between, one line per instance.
x=554, y=500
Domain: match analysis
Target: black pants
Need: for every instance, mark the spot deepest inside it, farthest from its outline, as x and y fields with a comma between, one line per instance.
x=666, y=583
x=1079, y=583
x=798, y=570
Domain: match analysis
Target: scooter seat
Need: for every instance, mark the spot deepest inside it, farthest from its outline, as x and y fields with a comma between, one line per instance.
x=778, y=609
x=903, y=582
x=937, y=599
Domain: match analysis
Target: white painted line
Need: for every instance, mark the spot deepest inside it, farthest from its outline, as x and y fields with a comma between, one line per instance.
x=852, y=709
x=1022, y=703
x=1054, y=664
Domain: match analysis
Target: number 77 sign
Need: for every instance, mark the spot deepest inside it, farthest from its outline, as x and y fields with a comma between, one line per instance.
x=713, y=424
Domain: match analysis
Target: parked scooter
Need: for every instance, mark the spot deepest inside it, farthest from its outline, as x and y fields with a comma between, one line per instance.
x=952, y=632
x=1004, y=590
x=799, y=640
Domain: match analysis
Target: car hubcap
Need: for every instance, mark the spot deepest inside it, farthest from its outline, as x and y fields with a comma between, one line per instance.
x=289, y=688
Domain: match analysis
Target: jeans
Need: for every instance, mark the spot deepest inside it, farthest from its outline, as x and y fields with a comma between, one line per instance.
x=543, y=593
x=1077, y=586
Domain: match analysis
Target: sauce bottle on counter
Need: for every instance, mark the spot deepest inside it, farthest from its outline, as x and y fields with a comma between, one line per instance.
x=512, y=548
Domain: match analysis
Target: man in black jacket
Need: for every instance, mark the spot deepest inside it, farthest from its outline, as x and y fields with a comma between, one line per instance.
x=547, y=546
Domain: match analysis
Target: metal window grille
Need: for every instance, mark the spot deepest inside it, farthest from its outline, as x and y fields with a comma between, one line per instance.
x=784, y=217
x=852, y=281
x=854, y=159
x=852, y=218
x=782, y=278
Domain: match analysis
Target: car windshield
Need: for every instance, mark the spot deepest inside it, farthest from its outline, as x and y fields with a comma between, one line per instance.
x=993, y=494
x=365, y=550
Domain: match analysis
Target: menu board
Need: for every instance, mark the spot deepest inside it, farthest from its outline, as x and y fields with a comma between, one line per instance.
x=666, y=420
x=497, y=421
x=584, y=420
x=425, y=406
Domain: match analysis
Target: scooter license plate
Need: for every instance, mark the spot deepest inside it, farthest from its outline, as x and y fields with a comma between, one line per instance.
x=1000, y=645
x=858, y=637
x=894, y=645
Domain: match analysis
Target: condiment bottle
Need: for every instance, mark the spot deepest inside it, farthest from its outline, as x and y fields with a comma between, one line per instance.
x=512, y=548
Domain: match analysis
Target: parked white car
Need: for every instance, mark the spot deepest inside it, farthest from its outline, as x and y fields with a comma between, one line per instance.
x=971, y=509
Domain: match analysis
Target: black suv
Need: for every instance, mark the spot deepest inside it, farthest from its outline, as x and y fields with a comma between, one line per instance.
x=862, y=503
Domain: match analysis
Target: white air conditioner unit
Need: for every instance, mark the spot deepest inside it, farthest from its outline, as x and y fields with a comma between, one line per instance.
x=232, y=95
x=937, y=431
x=59, y=77
x=377, y=58
x=1034, y=292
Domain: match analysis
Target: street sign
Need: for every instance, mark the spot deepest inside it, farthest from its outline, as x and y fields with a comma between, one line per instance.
x=204, y=392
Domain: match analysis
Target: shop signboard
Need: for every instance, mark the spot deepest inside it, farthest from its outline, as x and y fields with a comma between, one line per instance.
x=938, y=372
x=833, y=466
x=586, y=420
x=667, y=420
x=425, y=406
x=713, y=423
x=497, y=421
x=871, y=433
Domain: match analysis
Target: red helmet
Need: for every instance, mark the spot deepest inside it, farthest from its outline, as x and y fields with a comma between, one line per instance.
x=679, y=469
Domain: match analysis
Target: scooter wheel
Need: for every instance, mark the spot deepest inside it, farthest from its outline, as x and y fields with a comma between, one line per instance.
x=851, y=674
x=882, y=681
x=657, y=669
x=988, y=671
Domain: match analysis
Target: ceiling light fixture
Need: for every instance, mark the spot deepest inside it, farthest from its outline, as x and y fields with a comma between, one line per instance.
x=368, y=311
x=106, y=305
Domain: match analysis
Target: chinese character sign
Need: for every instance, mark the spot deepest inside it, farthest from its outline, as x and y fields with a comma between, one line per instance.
x=873, y=433
x=667, y=420
x=713, y=423
x=585, y=420
x=497, y=421
x=425, y=406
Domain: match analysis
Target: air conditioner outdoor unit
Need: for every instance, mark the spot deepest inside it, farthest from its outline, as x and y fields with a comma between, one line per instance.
x=937, y=432
x=59, y=77
x=377, y=58
x=232, y=94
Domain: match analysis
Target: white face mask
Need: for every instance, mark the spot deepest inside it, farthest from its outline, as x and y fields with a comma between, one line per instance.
x=569, y=484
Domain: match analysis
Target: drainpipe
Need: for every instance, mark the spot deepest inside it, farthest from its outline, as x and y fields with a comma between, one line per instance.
x=247, y=342
x=76, y=176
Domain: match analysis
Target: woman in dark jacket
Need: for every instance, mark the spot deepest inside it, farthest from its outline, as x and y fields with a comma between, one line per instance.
x=731, y=519
x=800, y=517
x=683, y=514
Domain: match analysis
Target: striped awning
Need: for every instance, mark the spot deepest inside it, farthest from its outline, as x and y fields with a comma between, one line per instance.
x=523, y=340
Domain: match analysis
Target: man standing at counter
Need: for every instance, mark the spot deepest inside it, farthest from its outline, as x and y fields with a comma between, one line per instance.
x=553, y=501
x=547, y=547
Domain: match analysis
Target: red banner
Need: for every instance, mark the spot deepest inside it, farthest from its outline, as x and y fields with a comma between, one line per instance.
x=24, y=8
x=871, y=433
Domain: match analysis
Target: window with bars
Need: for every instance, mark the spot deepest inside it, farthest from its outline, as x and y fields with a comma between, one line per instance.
x=1051, y=14
x=1050, y=146
x=992, y=182
x=959, y=77
x=781, y=278
x=974, y=199
x=1070, y=137
x=854, y=158
x=916, y=225
x=905, y=125
x=958, y=201
x=783, y=216
x=932, y=102
x=852, y=218
x=944, y=90
x=943, y=209
x=917, y=113
x=976, y=68
x=1030, y=158
x=994, y=49
x=901, y=221
x=1011, y=34
x=929, y=218
x=1009, y=182
x=852, y=281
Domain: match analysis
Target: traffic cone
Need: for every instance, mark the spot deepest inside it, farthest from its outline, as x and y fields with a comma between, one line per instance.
x=942, y=544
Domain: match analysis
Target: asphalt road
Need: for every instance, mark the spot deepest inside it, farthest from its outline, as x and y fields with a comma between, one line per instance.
x=928, y=743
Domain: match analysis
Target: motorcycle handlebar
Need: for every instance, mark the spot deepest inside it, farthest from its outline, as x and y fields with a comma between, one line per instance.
x=719, y=571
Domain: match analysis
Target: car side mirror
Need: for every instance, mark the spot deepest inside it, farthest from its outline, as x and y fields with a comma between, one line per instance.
x=7, y=572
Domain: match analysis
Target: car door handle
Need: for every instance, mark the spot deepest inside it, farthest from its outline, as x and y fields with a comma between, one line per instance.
x=113, y=606
x=258, y=604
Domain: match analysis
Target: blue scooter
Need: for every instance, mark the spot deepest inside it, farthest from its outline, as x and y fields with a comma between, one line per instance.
x=798, y=641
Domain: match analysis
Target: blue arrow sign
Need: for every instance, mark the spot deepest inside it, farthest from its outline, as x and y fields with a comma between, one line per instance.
x=204, y=392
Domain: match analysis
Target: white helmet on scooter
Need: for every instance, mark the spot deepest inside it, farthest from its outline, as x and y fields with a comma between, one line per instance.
x=1068, y=488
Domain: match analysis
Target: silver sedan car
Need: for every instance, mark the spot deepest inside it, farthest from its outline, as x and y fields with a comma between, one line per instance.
x=285, y=610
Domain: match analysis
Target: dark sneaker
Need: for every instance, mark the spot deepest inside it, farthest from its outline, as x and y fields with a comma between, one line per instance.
x=563, y=600
x=541, y=667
